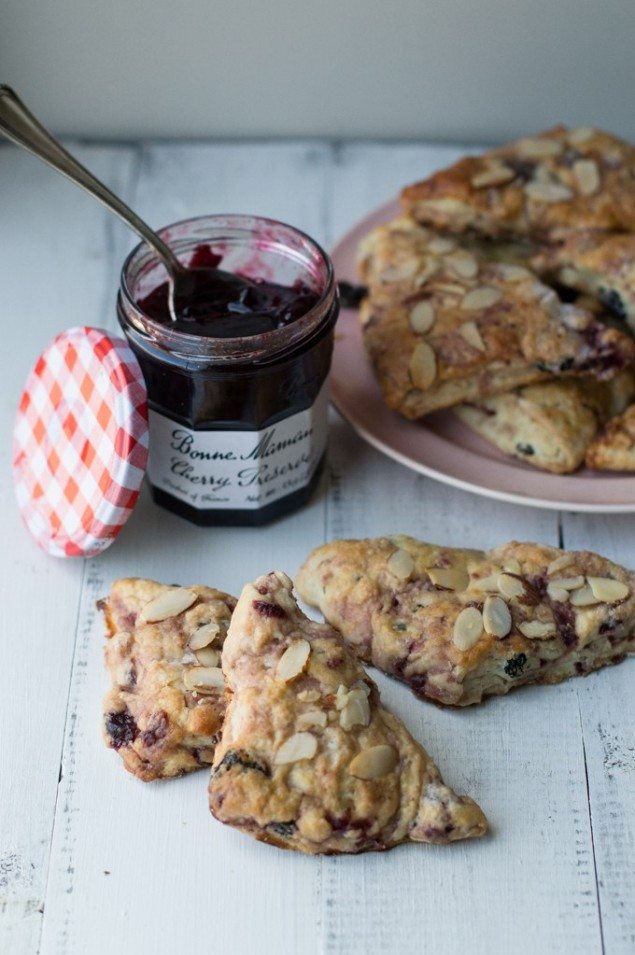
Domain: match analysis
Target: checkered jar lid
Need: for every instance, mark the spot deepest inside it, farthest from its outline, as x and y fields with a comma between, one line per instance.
x=80, y=443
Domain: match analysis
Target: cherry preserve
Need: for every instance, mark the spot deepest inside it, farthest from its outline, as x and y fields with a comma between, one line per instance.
x=237, y=387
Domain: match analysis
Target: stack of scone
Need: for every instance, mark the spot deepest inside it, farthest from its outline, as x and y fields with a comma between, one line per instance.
x=506, y=291
x=303, y=754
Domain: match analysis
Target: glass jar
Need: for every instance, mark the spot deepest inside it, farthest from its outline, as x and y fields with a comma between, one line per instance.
x=238, y=426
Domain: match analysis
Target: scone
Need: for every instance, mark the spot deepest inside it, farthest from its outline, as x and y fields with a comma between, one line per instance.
x=443, y=326
x=613, y=449
x=461, y=625
x=542, y=187
x=309, y=759
x=549, y=425
x=596, y=264
x=164, y=712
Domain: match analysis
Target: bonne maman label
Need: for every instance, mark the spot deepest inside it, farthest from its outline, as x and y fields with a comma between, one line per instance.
x=237, y=469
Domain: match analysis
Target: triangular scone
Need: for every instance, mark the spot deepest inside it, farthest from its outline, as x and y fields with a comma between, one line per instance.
x=309, y=759
x=542, y=186
x=613, y=449
x=549, y=425
x=596, y=264
x=460, y=625
x=443, y=325
x=164, y=712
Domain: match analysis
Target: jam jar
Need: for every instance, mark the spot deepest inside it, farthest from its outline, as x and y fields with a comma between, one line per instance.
x=237, y=399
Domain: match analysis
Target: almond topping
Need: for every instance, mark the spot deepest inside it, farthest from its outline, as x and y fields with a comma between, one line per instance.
x=422, y=317
x=170, y=603
x=559, y=563
x=423, y=366
x=293, y=660
x=356, y=712
x=203, y=679
x=374, y=762
x=429, y=268
x=588, y=175
x=492, y=176
x=581, y=134
x=548, y=191
x=400, y=271
x=583, y=597
x=539, y=148
x=510, y=586
x=308, y=696
x=512, y=566
x=537, y=630
x=468, y=628
x=497, y=619
x=203, y=636
x=486, y=583
x=439, y=245
x=559, y=594
x=607, y=589
x=567, y=583
x=463, y=263
x=479, y=298
x=299, y=746
x=311, y=718
x=208, y=657
x=449, y=578
x=400, y=564
x=513, y=273
x=470, y=333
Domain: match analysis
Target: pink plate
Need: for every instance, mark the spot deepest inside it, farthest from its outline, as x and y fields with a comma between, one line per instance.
x=441, y=446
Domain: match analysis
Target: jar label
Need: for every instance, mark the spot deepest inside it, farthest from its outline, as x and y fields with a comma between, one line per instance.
x=225, y=470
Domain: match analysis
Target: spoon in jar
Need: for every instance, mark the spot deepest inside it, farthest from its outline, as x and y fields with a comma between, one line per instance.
x=20, y=126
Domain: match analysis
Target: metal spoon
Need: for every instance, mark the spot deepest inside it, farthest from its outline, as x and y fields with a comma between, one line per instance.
x=20, y=125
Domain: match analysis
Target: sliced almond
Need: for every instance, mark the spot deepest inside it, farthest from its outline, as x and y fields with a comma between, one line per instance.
x=429, y=268
x=559, y=594
x=204, y=636
x=580, y=135
x=583, y=597
x=361, y=685
x=485, y=583
x=607, y=589
x=463, y=263
x=468, y=628
x=492, y=176
x=470, y=333
x=423, y=366
x=449, y=578
x=539, y=148
x=449, y=288
x=479, y=298
x=559, y=563
x=203, y=679
x=356, y=712
x=510, y=586
x=422, y=317
x=512, y=566
x=293, y=661
x=299, y=746
x=208, y=657
x=513, y=273
x=401, y=271
x=497, y=619
x=439, y=245
x=374, y=762
x=170, y=603
x=311, y=718
x=400, y=564
x=588, y=176
x=341, y=697
x=567, y=583
x=548, y=191
x=537, y=629
x=308, y=696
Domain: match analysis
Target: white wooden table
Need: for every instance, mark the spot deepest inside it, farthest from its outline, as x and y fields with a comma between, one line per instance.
x=93, y=861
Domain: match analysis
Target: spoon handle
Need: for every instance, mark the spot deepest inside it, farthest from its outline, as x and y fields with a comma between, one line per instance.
x=20, y=125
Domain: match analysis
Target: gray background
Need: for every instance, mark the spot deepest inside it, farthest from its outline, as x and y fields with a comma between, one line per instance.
x=439, y=69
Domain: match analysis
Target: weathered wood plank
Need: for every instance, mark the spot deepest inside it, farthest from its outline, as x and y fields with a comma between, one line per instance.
x=607, y=716
x=55, y=255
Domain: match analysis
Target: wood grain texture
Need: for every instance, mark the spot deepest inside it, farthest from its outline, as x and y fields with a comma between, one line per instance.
x=121, y=866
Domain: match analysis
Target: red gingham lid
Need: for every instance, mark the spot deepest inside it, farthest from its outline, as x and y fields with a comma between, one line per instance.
x=80, y=444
